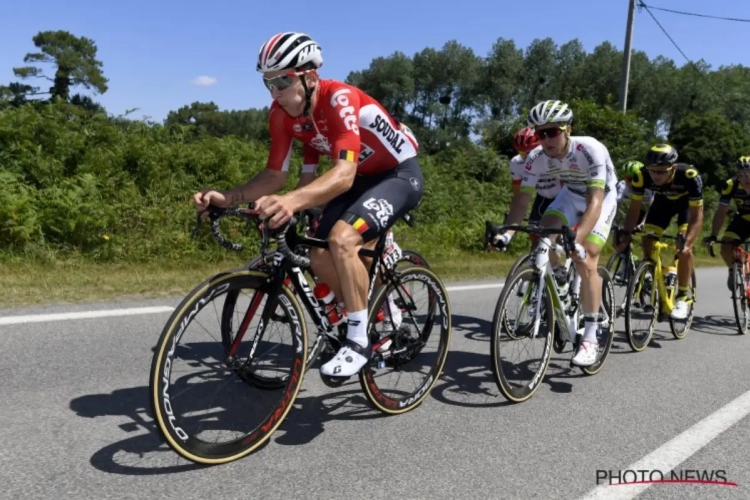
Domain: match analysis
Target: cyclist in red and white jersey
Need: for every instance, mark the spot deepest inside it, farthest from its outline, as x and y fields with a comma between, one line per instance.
x=375, y=178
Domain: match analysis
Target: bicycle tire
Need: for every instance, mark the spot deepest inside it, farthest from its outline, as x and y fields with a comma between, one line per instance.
x=518, y=263
x=689, y=320
x=739, y=298
x=644, y=267
x=412, y=257
x=520, y=394
x=193, y=448
x=608, y=302
x=438, y=300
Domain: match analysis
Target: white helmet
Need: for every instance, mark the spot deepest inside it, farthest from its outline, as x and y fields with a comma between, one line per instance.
x=290, y=51
x=550, y=112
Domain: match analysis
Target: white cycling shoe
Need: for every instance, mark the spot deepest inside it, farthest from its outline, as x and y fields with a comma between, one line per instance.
x=586, y=355
x=348, y=361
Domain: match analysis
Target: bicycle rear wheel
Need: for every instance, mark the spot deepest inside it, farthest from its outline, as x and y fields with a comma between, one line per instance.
x=174, y=412
x=607, y=329
x=401, y=349
x=513, y=390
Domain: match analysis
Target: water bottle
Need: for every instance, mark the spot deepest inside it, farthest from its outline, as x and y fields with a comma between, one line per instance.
x=325, y=296
x=671, y=277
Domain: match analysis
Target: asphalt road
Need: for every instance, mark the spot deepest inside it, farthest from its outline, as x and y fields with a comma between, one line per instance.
x=75, y=422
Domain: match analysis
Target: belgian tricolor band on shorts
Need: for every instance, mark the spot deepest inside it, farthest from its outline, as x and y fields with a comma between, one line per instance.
x=360, y=225
x=347, y=155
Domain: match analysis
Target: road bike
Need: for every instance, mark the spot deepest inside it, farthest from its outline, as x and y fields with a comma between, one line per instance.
x=622, y=266
x=397, y=350
x=740, y=271
x=558, y=304
x=652, y=292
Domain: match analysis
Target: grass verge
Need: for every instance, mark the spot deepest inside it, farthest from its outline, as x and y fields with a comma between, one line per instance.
x=78, y=280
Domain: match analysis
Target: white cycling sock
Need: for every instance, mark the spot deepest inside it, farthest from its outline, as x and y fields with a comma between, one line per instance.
x=357, y=328
x=590, y=327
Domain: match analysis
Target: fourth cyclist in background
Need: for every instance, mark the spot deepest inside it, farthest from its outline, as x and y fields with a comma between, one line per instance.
x=738, y=189
x=678, y=189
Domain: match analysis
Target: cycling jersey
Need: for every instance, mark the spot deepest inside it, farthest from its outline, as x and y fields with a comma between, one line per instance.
x=347, y=124
x=686, y=182
x=548, y=186
x=623, y=191
x=733, y=190
x=586, y=165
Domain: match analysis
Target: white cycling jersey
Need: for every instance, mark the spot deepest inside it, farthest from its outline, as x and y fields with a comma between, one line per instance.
x=587, y=164
x=623, y=191
x=547, y=186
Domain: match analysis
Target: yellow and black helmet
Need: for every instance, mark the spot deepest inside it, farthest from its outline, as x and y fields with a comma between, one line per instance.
x=662, y=154
x=743, y=163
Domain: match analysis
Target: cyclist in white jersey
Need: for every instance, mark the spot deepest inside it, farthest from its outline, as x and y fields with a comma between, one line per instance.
x=547, y=186
x=587, y=203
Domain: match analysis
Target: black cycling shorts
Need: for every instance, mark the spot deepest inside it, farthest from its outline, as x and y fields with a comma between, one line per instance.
x=662, y=211
x=738, y=229
x=375, y=202
x=538, y=208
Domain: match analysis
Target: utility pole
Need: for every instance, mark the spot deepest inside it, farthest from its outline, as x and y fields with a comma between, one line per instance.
x=625, y=75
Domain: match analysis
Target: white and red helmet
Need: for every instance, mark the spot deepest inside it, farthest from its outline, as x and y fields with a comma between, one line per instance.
x=289, y=51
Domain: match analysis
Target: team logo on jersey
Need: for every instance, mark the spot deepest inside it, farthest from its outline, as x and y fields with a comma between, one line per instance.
x=365, y=152
x=320, y=142
x=414, y=183
x=297, y=128
x=347, y=114
x=388, y=132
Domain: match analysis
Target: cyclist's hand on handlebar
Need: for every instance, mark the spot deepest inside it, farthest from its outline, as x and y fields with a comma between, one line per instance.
x=206, y=197
x=709, y=239
x=501, y=241
x=276, y=209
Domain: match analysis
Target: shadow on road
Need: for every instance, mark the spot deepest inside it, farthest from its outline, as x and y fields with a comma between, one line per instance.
x=716, y=325
x=147, y=454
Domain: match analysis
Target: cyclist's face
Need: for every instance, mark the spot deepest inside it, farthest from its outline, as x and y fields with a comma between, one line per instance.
x=659, y=174
x=744, y=177
x=552, y=137
x=286, y=89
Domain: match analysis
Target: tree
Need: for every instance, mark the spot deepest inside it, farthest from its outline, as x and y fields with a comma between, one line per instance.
x=711, y=143
x=74, y=61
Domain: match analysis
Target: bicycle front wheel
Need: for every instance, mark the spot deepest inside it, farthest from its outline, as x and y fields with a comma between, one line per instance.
x=192, y=430
x=508, y=374
x=681, y=327
x=739, y=299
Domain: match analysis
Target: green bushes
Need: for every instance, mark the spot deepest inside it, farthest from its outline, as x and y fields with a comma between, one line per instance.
x=75, y=181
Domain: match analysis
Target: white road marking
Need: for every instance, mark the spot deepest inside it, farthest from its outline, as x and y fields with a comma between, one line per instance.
x=40, y=318
x=473, y=287
x=677, y=450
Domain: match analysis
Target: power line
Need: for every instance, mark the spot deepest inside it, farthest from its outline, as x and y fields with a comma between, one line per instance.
x=736, y=19
x=641, y=4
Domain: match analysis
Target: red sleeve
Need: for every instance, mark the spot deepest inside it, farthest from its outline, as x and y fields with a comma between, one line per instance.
x=310, y=157
x=281, y=141
x=343, y=122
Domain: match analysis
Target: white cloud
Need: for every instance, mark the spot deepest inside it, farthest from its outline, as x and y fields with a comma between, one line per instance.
x=204, y=81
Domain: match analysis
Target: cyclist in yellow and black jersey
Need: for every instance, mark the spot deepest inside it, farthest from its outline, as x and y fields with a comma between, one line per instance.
x=678, y=190
x=736, y=189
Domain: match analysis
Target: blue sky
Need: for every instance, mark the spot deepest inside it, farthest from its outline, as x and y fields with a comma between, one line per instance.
x=153, y=51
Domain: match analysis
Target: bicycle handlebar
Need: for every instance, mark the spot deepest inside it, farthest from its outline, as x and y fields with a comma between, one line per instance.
x=215, y=214
x=569, y=236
